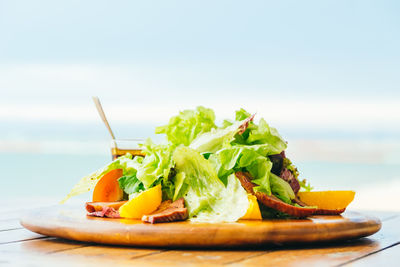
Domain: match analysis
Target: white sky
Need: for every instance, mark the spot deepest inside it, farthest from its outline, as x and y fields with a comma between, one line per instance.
x=62, y=92
x=295, y=64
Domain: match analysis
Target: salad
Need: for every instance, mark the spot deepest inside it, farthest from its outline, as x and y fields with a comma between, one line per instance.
x=209, y=173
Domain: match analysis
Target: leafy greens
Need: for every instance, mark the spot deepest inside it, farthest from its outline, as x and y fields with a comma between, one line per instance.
x=198, y=162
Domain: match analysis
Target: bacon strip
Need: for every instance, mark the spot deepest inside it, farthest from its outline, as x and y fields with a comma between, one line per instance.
x=277, y=204
x=168, y=211
x=104, y=209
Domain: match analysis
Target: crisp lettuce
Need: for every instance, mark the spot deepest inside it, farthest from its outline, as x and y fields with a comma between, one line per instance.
x=261, y=134
x=130, y=184
x=247, y=151
x=265, y=135
x=305, y=186
x=281, y=189
x=211, y=142
x=153, y=169
x=138, y=173
x=87, y=183
x=260, y=169
x=156, y=164
x=241, y=114
x=216, y=139
x=247, y=158
x=185, y=127
x=199, y=162
x=207, y=198
x=167, y=187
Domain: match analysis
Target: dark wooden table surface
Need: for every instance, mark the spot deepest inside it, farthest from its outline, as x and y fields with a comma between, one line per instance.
x=20, y=247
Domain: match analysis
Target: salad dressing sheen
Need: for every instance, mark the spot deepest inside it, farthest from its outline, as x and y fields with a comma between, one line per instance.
x=117, y=152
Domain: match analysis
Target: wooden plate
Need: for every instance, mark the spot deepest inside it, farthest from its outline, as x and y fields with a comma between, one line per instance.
x=72, y=223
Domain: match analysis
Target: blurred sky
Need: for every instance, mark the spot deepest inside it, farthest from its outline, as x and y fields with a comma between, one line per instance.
x=313, y=69
x=325, y=73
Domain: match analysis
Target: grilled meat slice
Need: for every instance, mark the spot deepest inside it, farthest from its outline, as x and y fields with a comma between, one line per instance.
x=168, y=212
x=98, y=206
x=104, y=209
x=277, y=204
x=272, y=201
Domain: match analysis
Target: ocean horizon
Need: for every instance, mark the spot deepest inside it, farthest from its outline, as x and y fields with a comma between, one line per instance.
x=45, y=165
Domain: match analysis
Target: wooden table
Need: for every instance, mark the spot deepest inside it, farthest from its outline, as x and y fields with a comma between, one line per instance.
x=20, y=247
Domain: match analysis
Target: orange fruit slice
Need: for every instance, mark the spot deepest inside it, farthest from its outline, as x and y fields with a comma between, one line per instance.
x=327, y=199
x=143, y=204
x=107, y=188
x=253, y=211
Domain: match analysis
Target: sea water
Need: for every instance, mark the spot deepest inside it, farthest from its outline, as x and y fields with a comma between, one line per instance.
x=42, y=167
x=44, y=179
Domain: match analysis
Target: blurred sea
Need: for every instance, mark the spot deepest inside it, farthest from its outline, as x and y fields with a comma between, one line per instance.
x=331, y=87
x=45, y=166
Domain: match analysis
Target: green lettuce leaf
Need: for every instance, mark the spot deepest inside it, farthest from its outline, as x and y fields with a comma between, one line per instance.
x=258, y=134
x=211, y=142
x=244, y=158
x=168, y=188
x=241, y=114
x=264, y=134
x=185, y=127
x=281, y=189
x=260, y=169
x=199, y=162
x=130, y=184
x=206, y=196
x=88, y=183
x=305, y=186
x=156, y=164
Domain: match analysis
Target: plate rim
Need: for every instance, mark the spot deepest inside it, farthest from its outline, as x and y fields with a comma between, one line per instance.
x=66, y=222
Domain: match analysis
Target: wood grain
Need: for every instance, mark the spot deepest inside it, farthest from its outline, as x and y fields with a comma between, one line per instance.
x=385, y=257
x=329, y=254
x=71, y=223
x=10, y=224
x=380, y=248
x=198, y=257
x=17, y=235
x=40, y=246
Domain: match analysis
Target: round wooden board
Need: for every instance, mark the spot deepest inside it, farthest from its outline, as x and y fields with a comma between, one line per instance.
x=72, y=223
